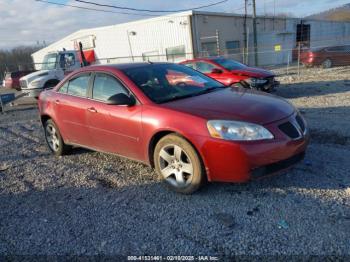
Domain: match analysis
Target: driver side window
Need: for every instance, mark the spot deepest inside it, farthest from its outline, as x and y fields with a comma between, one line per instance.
x=67, y=60
x=106, y=86
x=205, y=68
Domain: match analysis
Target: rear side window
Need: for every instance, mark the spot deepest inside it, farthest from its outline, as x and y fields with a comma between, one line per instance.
x=191, y=65
x=106, y=86
x=79, y=86
x=335, y=49
x=204, y=67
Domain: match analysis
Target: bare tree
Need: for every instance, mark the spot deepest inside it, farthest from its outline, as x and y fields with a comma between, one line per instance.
x=17, y=59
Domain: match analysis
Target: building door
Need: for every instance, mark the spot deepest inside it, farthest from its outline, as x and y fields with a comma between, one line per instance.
x=303, y=35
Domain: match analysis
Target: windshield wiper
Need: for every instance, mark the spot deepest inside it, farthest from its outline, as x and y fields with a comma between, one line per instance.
x=176, y=97
x=205, y=91
x=208, y=90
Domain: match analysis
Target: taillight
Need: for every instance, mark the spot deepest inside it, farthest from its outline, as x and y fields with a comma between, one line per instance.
x=311, y=57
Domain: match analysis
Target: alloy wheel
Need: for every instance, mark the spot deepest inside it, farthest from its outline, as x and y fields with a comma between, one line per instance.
x=175, y=166
x=52, y=137
x=327, y=63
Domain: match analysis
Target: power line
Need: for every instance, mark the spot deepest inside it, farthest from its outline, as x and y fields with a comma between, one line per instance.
x=91, y=9
x=149, y=10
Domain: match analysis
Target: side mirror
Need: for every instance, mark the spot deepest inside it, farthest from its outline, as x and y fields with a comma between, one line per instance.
x=216, y=71
x=121, y=100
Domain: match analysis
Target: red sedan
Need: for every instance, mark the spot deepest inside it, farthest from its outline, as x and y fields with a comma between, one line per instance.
x=193, y=132
x=12, y=79
x=230, y=72
x=326, y=56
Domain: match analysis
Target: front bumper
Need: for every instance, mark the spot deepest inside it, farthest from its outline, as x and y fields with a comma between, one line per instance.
x=277, y=167
x=33, y=92
x=230, y=161
x=269, y=86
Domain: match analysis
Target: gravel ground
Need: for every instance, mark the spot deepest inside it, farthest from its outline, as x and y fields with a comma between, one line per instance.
x=91, y=203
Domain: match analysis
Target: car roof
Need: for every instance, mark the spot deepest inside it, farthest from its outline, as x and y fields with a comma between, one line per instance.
x=212, y=58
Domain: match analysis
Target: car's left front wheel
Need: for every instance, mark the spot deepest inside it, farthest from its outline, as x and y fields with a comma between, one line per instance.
x=54, y=139
x=179, y=164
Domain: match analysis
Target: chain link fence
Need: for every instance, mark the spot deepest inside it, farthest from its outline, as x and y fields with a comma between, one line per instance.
x=287, y=61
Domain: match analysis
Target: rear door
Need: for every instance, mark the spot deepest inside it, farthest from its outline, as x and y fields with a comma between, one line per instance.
x=71, y=110
x=346, y=55
x=113, y=128
x=336, y=55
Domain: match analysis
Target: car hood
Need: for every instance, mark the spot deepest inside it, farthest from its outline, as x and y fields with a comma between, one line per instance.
x=235, y=104
x=253, y=72
x=36, y=74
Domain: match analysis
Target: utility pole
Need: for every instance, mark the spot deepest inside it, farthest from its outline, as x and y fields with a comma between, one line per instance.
x=255, y=34
x=245, y=32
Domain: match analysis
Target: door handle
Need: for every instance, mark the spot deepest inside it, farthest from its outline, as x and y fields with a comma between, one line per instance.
x=92, y=110
x=57, y=101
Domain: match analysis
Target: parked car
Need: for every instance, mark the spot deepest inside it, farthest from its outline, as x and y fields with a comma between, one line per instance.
x=12, y=79
x=326, y=57
x=230, y=72
x=189, y=133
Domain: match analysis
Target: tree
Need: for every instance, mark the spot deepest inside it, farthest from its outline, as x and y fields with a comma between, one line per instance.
x=18, y=58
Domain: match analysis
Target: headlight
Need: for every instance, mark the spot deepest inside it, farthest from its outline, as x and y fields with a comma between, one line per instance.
x=238, y=131
x=35, y=83
x=255, y=81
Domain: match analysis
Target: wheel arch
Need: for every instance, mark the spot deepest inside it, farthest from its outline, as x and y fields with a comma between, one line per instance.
x=44, y=118
x=162, y=133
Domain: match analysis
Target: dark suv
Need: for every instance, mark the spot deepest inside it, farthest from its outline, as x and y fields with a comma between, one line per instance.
x=326, y=56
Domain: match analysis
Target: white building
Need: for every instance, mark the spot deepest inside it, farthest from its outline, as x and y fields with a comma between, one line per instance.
x=186, y=35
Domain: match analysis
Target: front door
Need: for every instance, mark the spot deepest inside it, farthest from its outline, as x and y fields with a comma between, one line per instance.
x=207, y=68
x=113, y=128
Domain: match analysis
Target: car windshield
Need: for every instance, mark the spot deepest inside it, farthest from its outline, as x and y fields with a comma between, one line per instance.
x=229, y=64
x=167, y=82
x=49, y=62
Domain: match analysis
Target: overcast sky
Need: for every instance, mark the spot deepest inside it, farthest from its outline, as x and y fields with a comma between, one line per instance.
x=25, y=22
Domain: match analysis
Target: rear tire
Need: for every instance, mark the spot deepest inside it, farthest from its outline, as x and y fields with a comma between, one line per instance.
x=54, y=139
x=179, y=164
x=327, y=63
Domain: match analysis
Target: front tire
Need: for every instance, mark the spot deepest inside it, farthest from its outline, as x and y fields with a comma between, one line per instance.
x=179, y=164
x=54, y=139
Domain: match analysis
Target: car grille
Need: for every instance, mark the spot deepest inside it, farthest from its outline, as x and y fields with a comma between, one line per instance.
x=300, y=123
x=295, y=128
x=289, y=129
x=270, y=80
x=23, y=83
